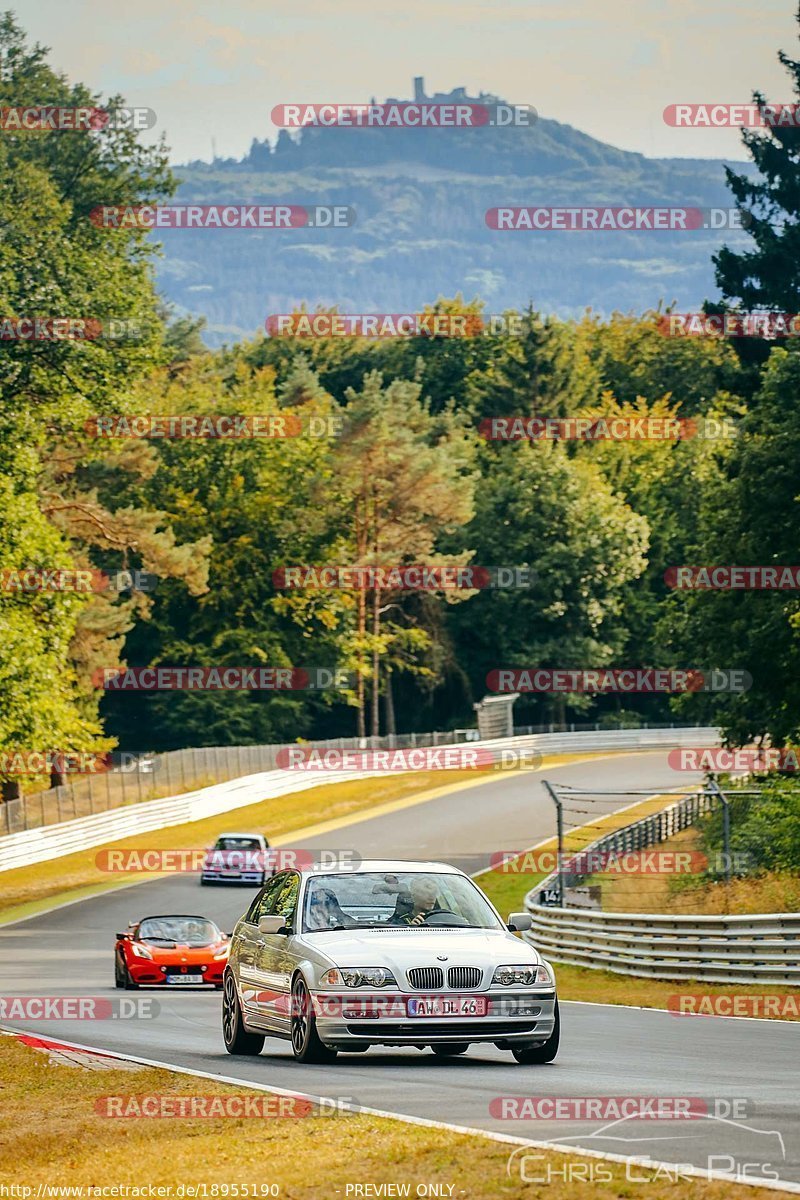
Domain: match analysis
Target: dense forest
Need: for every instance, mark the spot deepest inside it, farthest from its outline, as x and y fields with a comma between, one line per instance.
x=387, y=465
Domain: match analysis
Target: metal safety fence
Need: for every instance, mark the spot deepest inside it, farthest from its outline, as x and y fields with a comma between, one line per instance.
x=747, y=950
x=144, y=777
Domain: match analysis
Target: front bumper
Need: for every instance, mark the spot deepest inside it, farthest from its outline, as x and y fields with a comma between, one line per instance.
x=511, y=1017
x=150, y=974
x=253, y=877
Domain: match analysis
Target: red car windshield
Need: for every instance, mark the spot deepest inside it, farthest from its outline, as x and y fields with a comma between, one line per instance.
x=184, y=931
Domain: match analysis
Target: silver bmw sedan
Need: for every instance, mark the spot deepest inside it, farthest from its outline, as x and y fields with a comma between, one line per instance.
x=386, y=953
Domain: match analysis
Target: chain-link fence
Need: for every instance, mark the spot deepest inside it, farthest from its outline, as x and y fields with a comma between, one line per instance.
x=152, y=776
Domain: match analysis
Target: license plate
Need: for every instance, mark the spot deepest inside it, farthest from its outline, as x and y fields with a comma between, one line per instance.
x=184, y=979
x=446, y=1006
x=231, y=874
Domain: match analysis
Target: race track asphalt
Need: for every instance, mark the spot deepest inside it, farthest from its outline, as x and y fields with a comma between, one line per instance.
x=605, y=1050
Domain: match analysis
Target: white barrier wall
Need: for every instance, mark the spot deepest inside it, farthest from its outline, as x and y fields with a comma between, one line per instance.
x=53, y=841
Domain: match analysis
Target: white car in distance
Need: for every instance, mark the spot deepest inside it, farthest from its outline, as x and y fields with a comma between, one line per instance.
x=238, y=858
x=387, y=953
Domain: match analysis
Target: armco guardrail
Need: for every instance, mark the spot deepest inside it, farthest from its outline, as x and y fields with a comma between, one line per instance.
x=751, y=950
x=745, y=950
x=156, y=776
x=53, y=841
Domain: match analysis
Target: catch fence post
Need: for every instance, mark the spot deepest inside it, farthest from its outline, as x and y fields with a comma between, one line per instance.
x=560, y=829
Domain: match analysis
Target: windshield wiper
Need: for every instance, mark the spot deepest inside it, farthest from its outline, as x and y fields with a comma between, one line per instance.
x=336, y=928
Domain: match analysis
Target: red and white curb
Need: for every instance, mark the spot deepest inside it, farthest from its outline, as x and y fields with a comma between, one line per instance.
x=64, y=1054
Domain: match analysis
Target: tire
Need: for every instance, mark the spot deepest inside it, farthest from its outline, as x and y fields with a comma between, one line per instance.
x=530, y=1055
x=122, y=978
x=306, y=1044
x=119, y=977
x=236, y=1037
x=450, y=1049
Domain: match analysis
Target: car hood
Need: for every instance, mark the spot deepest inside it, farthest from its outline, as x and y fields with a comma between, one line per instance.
x=189, y=954
x=408, y=947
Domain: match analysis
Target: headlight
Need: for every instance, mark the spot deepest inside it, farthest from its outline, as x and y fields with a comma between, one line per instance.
x=354, y=977
x=223, y=953
x=140, y=951
x=525, y=974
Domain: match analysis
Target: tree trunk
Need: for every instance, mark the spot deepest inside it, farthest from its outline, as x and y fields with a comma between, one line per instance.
x=10, y=789
x=391, y=727
x=56, y=776
x=376, y=630
x=362, y=629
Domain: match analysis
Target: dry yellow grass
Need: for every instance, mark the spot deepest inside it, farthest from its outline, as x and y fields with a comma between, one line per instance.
x=51, y=1134
x=663, y=893
x=605, y=987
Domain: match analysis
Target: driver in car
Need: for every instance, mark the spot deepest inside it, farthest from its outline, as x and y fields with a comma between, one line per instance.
x=424, y=900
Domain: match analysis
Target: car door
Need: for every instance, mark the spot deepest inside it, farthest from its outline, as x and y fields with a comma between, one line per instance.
x=274, y=961
x=248, y=942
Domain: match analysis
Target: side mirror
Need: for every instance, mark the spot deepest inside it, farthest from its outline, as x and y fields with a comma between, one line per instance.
x=272, y=925
x=519, y=922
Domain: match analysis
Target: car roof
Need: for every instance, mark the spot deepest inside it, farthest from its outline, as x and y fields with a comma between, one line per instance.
x=388, y=866
x=243, y=833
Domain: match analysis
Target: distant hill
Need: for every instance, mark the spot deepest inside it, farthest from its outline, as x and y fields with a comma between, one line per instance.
x=421, y=198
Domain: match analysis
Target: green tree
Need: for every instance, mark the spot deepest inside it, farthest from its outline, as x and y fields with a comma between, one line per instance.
x=557, y=516
x=750, y=517
x=406, y=478
x=54, y=263
x=768, y=275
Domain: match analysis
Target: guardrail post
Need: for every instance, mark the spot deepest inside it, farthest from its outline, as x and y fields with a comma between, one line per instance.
x=560, y=830
x=717, y=791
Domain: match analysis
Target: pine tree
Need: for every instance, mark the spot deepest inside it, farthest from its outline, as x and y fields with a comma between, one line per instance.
x=768, y=275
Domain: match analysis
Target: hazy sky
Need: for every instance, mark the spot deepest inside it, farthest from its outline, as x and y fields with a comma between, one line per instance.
x=608, y=67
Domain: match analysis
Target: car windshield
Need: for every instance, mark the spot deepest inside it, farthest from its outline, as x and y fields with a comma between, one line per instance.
x=184, y=931
x=423, y=899
x=238, y=843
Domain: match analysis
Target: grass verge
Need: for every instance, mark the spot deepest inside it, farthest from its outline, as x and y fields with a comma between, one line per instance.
x=52, y=1134
x=772, y=892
